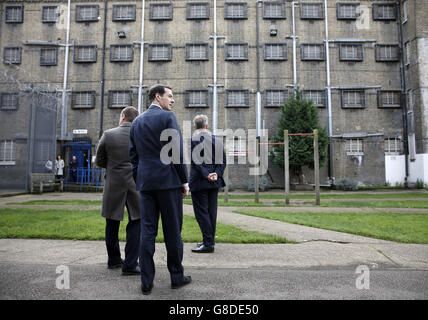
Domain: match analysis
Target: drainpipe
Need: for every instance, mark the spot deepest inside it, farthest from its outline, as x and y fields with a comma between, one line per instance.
x=140, y=83
x=294, y=47
x=100, y=131
x=329, y=119
x=258, y=95
x=403, y=93
x=64, y=86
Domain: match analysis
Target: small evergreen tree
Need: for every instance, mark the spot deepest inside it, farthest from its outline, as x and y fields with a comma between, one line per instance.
x=299, y=116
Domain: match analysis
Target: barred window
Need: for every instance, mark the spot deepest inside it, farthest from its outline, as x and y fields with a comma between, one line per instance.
x=198, y=10
x=196, y=98
x=407, y=57
x=318, y=97
x=120, y=98
x=48, y=56
x=7, y=152
x=405, y=16
x=235, y=10
x=14, y=14
x=312, y=51
x=12, y=55
x=353, y=99
x=275, y=51
x=44, y=152
x=160, y=11
x=387, y=52
x=351, y=52
x=311, y=10
x=87, y=13
x=197, y=51
x=9, y=101
x=236, y=51
x=354, y=147
x=85, y=53
x=384, y=11
x=275, y=98
x=393, y=146
x=121, y=53
x=50, y=13
x=83, y=99
x=124, y=12
x=160, y=52
x=389, y=99
x=347, y=11
x=274, y=10
x=237, y=146
x=237, y=98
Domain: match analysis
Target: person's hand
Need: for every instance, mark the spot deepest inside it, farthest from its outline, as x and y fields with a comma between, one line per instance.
x=185, y=191
x=212, y=177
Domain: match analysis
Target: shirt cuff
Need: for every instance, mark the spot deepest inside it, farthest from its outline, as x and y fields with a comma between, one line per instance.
x=186, y=184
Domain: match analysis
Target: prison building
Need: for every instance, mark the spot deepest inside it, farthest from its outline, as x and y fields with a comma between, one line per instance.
x=69, y=67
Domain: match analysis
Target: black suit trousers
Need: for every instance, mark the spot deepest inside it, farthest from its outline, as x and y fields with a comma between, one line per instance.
x=205, y=208
x=169, y=203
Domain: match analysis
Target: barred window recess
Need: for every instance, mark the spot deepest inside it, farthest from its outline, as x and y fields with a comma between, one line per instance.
x=85, y=53
x=275, y=98
x=312, y=51
x=347, y=11
x=197, y=98
x=160, y=11
x=48, y=56
x=12, y=55
x=7, y=152
x=14, y=14
x=275, y=51
x=386, y=52
x=196, y=51
x=235, y=10
x=124, y=12
x=50, y=13
x=384, y=11
x=353, y=99
x=9, y=101
x=44, y=152
x=311, y=10
x=83, y=99
x=120, y=98
x=354, y=147
x=86, y=13
x=121, y=53
x=236, y=51
x=160, y=52
x=393, y=146
x=274, y=10
x=237, y=98
x=389, y=99
x=318, y=97
x=351, y=52
x=198, y=10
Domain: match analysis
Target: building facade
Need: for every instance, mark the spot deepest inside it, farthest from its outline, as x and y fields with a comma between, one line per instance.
x=363, y=63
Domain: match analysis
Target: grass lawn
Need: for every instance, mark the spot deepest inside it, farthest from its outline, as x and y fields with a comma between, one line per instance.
x=89, y=225
x=406, y=228
x=352, y=195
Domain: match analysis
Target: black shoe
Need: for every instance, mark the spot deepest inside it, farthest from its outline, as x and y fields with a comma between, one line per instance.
x=204, y=249
x=198, y=244
x=146, y=289
x=115, y=265
x=131, y=272
x=183, y=282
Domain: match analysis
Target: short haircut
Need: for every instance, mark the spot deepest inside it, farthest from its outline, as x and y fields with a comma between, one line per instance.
x=157, y=88
x=200, y=121
x=130, y=113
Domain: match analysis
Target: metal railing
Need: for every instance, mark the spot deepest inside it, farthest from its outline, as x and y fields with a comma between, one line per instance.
x=85, y=176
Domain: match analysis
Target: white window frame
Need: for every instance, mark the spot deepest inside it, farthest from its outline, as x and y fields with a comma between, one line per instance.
x=197, y=51
x=236, y=51
x=347, y=10
x=235, y=10
x=197, y=99
x=12, y=55
x=389, y=99
x=161, y=11
x=237, y=98
x=7, y=153
x=85, y=54
x=120, y=99
x=87, y=13
x=121, y=53
x=9, y=101
x=393, y=146
x=405, y=12
x=387, y=52
x=197, y=10
x=312, y=52
x=385, y=11
x=275, y=98
x=351, y=52
x=353, y=95
x=274, y=10
x=14, y=14
x=83, y=100
x=318, y=97
x=48, y=56
x=160, y=52
x=354, y=147
x=124, y=12
x=237, y=147
x=311, y=10
x=275, y=51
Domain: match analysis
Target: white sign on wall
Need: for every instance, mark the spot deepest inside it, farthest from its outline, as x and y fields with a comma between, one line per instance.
x=80, y=131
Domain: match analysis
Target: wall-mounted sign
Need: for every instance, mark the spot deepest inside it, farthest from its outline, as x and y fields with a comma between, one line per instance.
x=80, y=131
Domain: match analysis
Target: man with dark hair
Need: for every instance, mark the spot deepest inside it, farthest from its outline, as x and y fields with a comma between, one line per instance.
x=162, y=185
x=119, y=191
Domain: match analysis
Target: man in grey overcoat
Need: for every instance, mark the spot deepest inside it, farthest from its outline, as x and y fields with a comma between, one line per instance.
x=120, y=192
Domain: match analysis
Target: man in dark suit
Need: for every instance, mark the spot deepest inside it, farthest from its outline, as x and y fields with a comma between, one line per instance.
x=120, y=192
x=162, y=184
x=206, y=177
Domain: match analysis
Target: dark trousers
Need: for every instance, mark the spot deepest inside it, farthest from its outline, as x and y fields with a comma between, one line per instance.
x=169, y=203
x=132, y=243
x=205, y=208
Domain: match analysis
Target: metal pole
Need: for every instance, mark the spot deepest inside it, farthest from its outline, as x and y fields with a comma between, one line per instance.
x=226, y=172
x=317, y=168
x=294, y=49
x=256, y=177
x=140, y=83
x=286, y=169
x=215, y=102
x=64, y=86
x=329, y=120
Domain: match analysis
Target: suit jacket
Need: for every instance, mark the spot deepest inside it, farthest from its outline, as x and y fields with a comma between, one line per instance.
x=146, y=146
x=119, y=188
x=207, y=156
